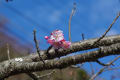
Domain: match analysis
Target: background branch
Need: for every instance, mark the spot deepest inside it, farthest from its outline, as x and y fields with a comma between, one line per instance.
x=102, y=69
x=72, y=13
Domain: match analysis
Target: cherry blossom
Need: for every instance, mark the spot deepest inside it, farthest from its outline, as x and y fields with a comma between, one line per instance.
x=56, y=39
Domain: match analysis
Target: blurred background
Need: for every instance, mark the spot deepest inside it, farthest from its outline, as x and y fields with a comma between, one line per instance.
x=18, y=19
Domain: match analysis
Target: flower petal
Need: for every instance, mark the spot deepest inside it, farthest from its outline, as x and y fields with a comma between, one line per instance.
x=46, y=37
x=56, y=39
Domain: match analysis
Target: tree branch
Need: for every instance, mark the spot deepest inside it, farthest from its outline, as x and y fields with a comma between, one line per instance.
x=37, y=47
x=76, y=46
x=13, y=67
x=102, y=63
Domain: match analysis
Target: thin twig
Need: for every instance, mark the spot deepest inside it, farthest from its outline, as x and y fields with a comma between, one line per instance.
x=107, y=29
x=102, y=69
x=8, y=51
x=102, y=63
x=37, y=47
x=83, y=37
x=72, y=13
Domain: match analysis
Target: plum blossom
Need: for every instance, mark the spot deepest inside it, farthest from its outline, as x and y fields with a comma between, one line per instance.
x=56, y=39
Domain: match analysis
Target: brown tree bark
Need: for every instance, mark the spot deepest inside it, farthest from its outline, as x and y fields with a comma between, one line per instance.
x=107, y=46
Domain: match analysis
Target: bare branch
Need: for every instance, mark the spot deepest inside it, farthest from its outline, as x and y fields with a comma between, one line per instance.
x=13, y=67
x=76, y=46
x=107, y=29
x=79, y=46
x=72, y=13
x=37, y=47
x=83, y=37
x=102, y=69
x=33, y=75
x=102, y=63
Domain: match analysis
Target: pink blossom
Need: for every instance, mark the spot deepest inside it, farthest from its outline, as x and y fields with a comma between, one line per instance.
x=66, y=44
x=56, y=39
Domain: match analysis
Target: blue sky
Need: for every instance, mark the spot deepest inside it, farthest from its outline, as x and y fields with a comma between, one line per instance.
x=92, y=18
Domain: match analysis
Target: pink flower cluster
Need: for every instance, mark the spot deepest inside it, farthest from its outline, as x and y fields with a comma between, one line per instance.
x=56, y=39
